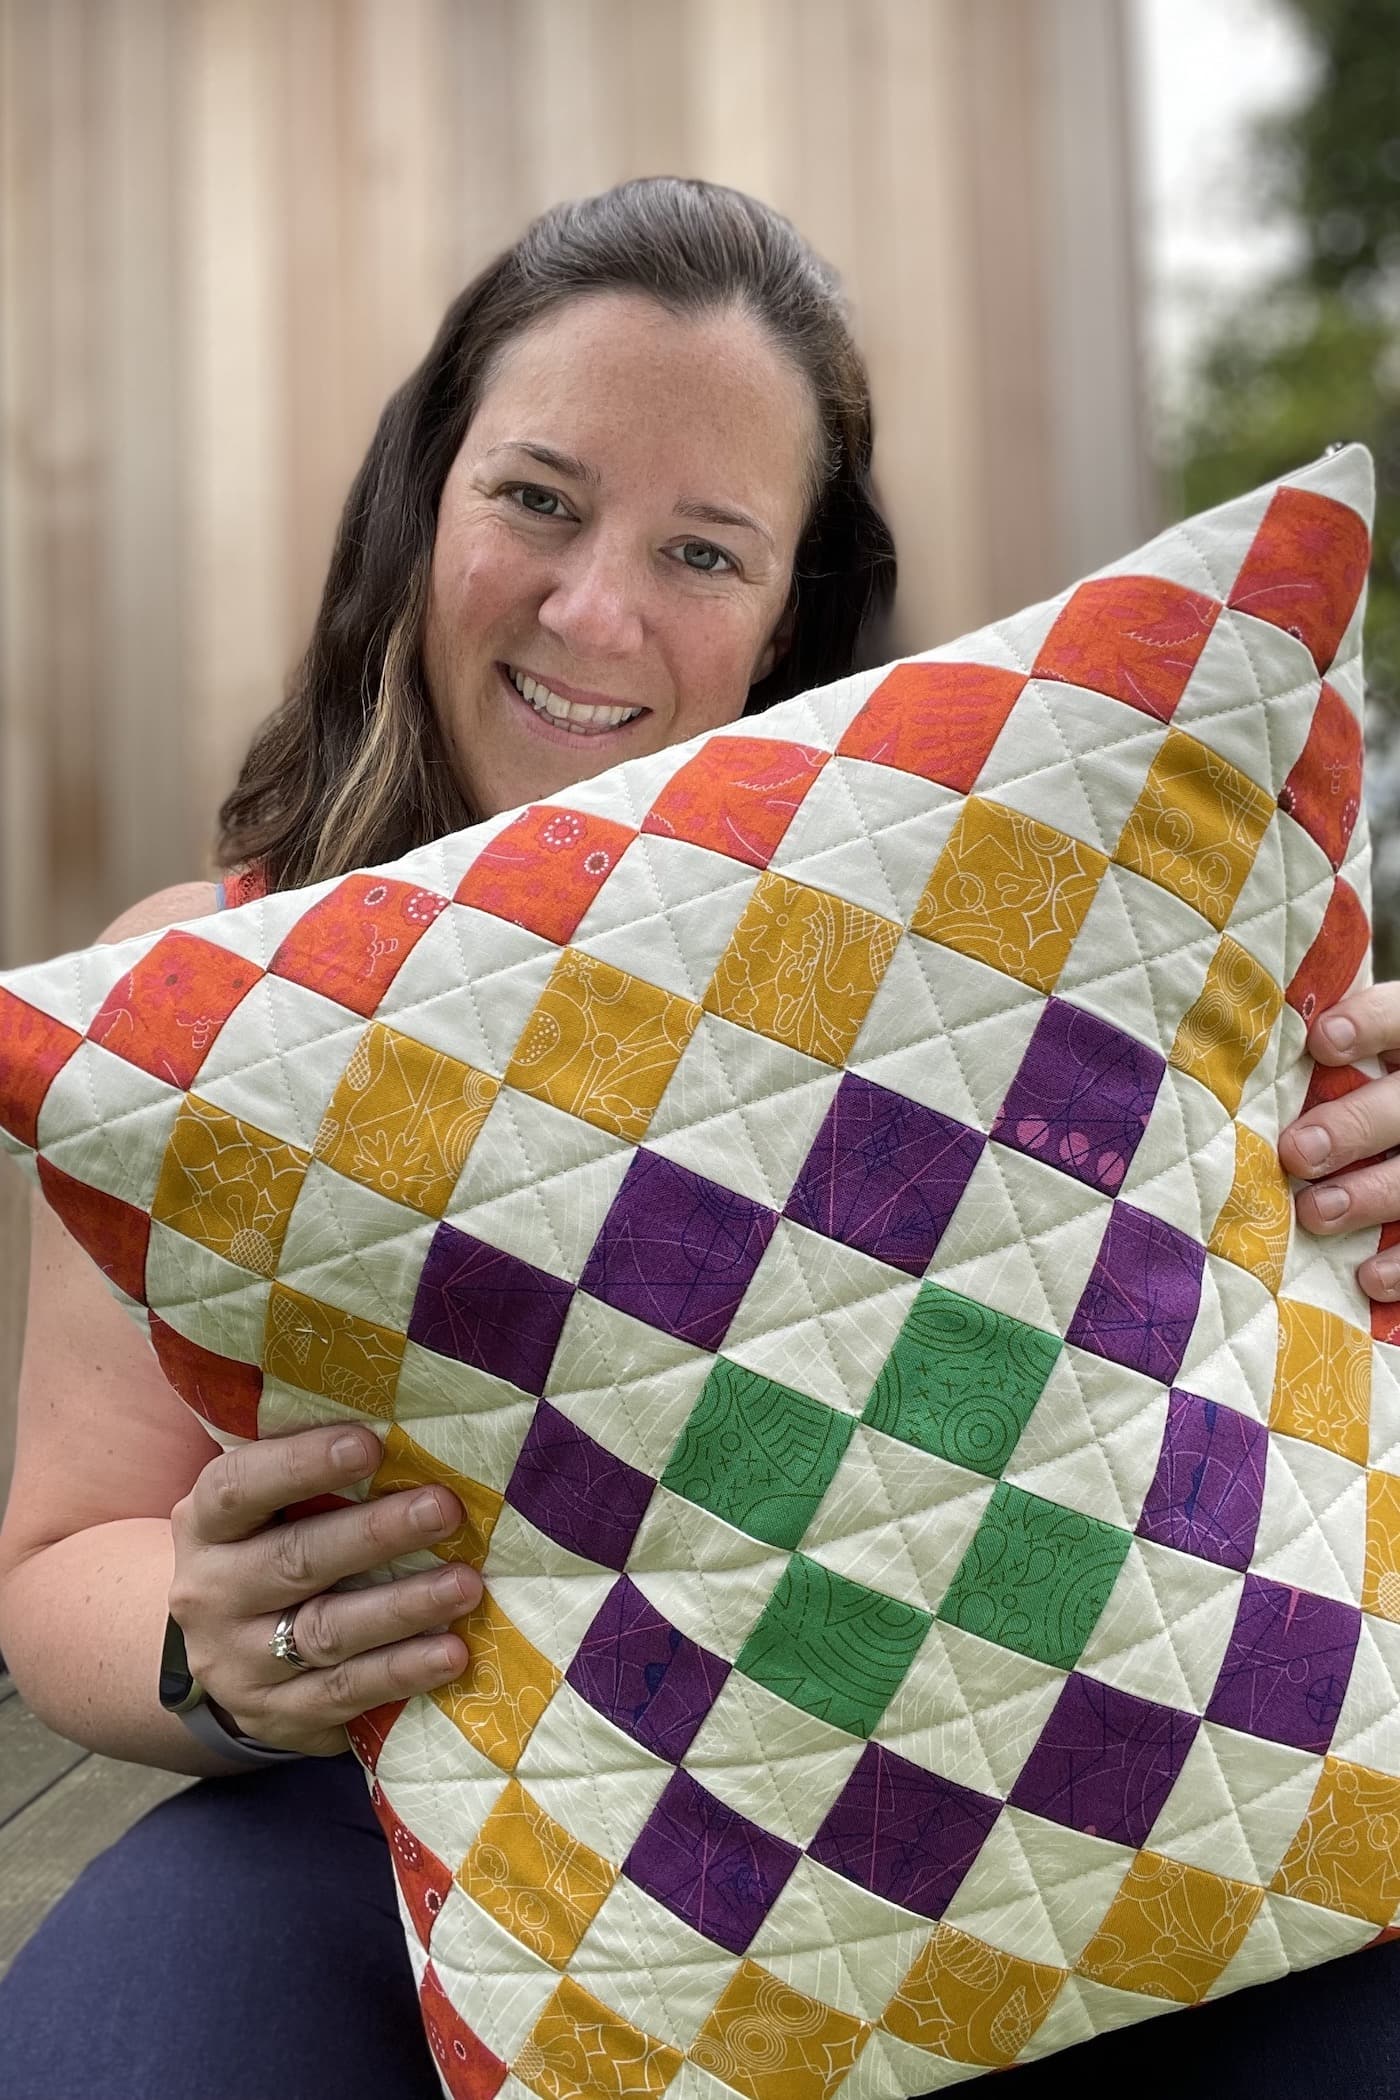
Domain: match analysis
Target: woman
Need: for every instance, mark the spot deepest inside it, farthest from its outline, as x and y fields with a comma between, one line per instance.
x=625, y=498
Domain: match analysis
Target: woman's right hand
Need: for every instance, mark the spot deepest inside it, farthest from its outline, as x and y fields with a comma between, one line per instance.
x=236, y=1571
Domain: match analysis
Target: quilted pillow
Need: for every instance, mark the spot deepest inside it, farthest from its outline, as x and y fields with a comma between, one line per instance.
x=812, y=1194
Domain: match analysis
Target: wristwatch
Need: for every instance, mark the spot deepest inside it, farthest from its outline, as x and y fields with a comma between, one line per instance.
x=182, y=1694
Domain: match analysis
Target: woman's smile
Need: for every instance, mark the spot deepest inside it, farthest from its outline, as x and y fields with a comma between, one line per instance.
x=557, y=707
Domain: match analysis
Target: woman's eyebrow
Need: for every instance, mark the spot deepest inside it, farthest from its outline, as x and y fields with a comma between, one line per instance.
x=578, y=470
x=718, y=514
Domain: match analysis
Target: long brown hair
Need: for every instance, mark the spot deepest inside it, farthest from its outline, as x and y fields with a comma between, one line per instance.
x=351, y=770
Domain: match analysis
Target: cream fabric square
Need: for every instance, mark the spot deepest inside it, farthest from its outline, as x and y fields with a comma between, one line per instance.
x=1140, y=959
x=1093, y=1437
x=970, y=1710
x=775, y=1764
x=666, y=912
x=1251, y=696
x=869, y=833
x=354, y=1249
x=897, y=1519
x=591, y=1777
x=1236, y=1804
x=660, y=1974
x=469, y=986
x=279, y=1058
x=632, y=1387
x=538, y=1183
x=1233, y=1350
x=1312, y=1526
x=495, y=1982
x=841, y=1944
x=1023, y=1239
x=709, y=1580
x=1038, y=1889
x=1165, y=1628
x=208, y=1300
x=1184, y=1168
x=742, y=1110
x=551, y=1594
x=84, y=1124
x=1074, y=759
x=1365, y=1733
x=437, y=1782
x=946, y=1030
x=820, y=1316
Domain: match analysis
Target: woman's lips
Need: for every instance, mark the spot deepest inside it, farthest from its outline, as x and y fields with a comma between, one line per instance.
x=556, y=732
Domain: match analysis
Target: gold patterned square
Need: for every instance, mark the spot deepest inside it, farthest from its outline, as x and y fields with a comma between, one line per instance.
x=228, y=1185
x=405, y=1464
x=602, y=1045
x=504, y=1689
x=772, y=2042
x=1197, y=827
x=1011, y=892
x=1170, y=1930
x=403, y=1119
x=1256, y=1219
x=324, y=1350
x=1322, y=1380
x=1380, y=1585
x=974, y=2003
x=579, y=2049
x=545, y=1886
x=802, y=967
x=1346, y=1855
x=1223, y=1036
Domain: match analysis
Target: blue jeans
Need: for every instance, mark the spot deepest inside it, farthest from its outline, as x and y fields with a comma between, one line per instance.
x=242, y=1942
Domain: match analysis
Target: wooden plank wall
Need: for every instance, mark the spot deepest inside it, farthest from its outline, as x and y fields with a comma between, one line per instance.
x=228, y=228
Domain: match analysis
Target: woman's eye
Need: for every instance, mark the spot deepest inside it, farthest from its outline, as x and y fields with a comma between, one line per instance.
x=701, y=555
x=537, y=500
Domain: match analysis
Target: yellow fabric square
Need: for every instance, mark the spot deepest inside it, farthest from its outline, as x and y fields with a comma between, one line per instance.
x=1197, y=827
x=504, y=1689
x=1380, y=1585
x=802, y=967
x=1256, y=1218
x=1170, y=1930
x=602, y=1045
x=579, y=2049
x=1010, y=892
x=1322, y=1380
x=970, y=2001
x=1346, y=1855
x=403, y=1119
x=772, y=2042
x=406, y=1464
x=543, y=1885
x=1223, y=1036
x=228, y=1185
x=327, y=1351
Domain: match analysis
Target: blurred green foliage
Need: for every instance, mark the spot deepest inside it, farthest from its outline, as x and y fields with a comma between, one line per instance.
x=1314, y=356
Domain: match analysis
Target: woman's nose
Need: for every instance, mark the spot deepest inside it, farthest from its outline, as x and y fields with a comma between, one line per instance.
x=594, y=604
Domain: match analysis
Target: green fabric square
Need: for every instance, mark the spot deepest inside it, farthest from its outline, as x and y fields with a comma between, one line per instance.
x=1035, y=1577
x=961, y=1380
x=833, y=1647
x=758, y=1454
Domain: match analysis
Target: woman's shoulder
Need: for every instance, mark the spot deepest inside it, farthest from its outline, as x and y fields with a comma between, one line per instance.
x=183, y=900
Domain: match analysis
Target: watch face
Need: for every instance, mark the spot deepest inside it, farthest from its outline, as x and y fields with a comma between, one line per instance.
x=178, y=1690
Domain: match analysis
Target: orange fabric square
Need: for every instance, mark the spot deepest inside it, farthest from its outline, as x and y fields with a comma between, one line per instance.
x=579, y=2049
x=469, y=2070
x=1305, y=569
x=34, y=1048
x=1329, y=968
x=165, y=1014
x=1380, y=1584
x=405, y=1464
x=974, y=2003
x=602, y=1045
x=1170, y=1930
x=403, y=1118
x=1256, y=1218
x=1136, y=638
x=802, y=967
x=228, y=1185
x=115, y=1234
x=937, y=720
x=324, y=1350
x=352, y=944
x=738, y=796
x=1011, y=892
x=541, y=1883
x=1323, y=791
x=220, y=1388
x=1346, y=1855
x=770, y=2041
x=423, y=1878
x=544, y=870
x=1221, y=1038
x=504, y=1689
x=1196, y=828
x=1322, y=1380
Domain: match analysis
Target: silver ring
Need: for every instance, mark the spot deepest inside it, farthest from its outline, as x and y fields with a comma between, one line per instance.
x=284, y=1643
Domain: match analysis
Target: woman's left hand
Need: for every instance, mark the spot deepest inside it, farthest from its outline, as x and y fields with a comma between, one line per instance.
x=1350, y=1185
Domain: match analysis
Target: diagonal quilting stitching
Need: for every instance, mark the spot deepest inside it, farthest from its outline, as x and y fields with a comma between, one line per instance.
x=1233, y=1807
x=819, y=1316
x=1102, y=1442
x=1124, y=1649
x=1132, y=732
x=1028, y=1241
x=1312, y=1520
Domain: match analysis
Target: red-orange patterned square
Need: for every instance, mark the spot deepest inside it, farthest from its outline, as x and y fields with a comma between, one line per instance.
x=33, y=1050
x=1329, y=968
x=544, y=870
x=737, y=796
x=420, y=1874
x=936, y=720
x=166, y=1012
x=1136, y=638
x=1385, y=1313
x=220, y=1388
x=469, y=2070
x=369, y=1731
x=114, y=1233
x=1323, y=792
x=352, y=945
x=1305, y=570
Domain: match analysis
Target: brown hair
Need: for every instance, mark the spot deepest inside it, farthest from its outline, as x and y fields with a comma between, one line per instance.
x=351, y=770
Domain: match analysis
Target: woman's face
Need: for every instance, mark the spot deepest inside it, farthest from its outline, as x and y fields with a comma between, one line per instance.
x=614, y=543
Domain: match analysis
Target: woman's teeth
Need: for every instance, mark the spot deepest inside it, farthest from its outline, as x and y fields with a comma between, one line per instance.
x=570, y=714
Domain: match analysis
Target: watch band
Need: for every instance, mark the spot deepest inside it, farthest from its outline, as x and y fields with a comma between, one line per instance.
x=182, y=1695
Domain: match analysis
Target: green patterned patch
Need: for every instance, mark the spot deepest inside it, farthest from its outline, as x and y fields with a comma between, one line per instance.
x=757, y=1454
x=1035, y=1577
x=961, y=1380
x=833, y=1647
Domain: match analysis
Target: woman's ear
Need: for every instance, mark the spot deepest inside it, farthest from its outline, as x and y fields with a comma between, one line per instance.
x=778, y=643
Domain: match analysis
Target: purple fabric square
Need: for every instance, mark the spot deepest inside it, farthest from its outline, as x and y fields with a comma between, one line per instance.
x=903, y=1832
x=710, y=1865
x=1140, y=1303
x=644, y=1674
x=489, y=1309
x=1105, y=1761
x=677, y=1251
x=884, y=1175
x=577, y=1493
x=1082, y=1097
x=1287, y=1667
x=1209, y=1484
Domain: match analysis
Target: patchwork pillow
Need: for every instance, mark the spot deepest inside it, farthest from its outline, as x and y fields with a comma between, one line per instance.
x=812, y=1194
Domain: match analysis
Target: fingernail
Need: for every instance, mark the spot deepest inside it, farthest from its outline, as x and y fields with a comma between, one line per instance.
x=1331, y=1203
x=1339, y=1035
x=1387, y=1274
x=448, y=1588
x=350, y=1455
x=426, y=1512
x=442, y=1656
x=1313, y=1145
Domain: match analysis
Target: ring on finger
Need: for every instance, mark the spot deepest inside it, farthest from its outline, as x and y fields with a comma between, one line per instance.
x=284, y=1642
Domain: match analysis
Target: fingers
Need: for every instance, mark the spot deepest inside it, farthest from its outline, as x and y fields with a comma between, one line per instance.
x=338, y=1627
x=1364, y=1024
x=238, y=1494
